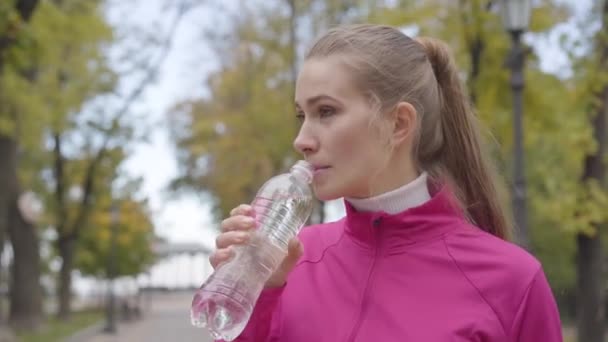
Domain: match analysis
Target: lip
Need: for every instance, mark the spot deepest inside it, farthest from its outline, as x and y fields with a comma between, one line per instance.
x=318, y=170
x=316, y=166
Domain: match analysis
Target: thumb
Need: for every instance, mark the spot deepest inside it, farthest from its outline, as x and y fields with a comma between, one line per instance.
x=295, y=249
x=294, y=252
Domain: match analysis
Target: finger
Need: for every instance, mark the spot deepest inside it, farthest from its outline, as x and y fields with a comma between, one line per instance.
x=295, y=249
x=230, y=238
x=220, y=256
x=243, y=209
x=239, y=222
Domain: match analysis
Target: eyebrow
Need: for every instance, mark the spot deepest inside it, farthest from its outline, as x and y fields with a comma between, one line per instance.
x=311, y=101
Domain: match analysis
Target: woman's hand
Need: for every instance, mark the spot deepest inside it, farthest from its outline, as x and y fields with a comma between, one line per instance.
x=237, y=230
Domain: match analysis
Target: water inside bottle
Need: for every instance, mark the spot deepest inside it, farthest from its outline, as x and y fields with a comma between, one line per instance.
x=222, y=316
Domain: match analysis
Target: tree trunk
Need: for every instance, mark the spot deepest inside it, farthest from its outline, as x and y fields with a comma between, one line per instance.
x=293, y=44
x=25, y=289
x=25, y=296
x=590, y=273
x=66, y=248
x=590, y=263
x=476, y=50
x=590, y=310
x=4, y=200
x=25, y=8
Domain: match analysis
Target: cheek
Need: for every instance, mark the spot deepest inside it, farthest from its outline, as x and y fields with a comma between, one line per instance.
x=349, y=139
x=346, y=146
x=364, y=150
x=369, y=160
x=357, y=145
x=359, y=157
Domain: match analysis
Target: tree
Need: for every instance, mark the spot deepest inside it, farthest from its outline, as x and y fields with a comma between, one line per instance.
x=90, y=137
x=251, y=95
x=70, y=68
x=135, y=234
x=591, y=315
x=232, y=141
x=25, y=291
x=60, y=89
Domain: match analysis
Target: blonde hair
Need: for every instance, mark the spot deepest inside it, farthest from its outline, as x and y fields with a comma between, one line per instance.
x=389, y=67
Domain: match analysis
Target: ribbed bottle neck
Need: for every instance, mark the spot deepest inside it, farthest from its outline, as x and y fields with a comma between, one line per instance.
x=303, y=170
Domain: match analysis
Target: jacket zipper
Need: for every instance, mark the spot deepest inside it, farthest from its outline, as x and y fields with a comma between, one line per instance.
x=364, y=301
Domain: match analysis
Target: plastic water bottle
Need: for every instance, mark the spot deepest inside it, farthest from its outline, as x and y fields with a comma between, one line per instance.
x=224, y=303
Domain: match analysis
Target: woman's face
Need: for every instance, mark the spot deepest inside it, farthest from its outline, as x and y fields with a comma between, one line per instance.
x=335, y=136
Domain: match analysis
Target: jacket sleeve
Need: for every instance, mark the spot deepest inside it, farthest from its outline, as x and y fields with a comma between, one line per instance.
x=537, y=318
x=265, y=312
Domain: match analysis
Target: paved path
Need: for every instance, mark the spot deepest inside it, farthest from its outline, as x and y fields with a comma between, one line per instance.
x=166, y=318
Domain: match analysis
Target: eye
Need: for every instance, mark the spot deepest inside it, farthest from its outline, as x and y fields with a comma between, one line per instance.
x=300, y=116
x=325, y=111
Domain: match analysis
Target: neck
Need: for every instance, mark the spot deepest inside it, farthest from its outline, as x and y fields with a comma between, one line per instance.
x=398, y=171
x=410, y=195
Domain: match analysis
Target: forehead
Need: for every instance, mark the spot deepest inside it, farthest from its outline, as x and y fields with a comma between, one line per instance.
x=327, y=75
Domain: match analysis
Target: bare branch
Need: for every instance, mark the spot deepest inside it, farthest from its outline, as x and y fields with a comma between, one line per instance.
x=89, y=179
x=59, y=163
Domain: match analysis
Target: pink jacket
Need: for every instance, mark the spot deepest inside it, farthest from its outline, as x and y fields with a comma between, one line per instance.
x=424, y=275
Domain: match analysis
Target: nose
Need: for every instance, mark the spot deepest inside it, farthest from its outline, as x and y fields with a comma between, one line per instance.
x=305, y=143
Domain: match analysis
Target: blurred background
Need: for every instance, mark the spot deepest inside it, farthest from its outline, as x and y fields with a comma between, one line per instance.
x=129, y=129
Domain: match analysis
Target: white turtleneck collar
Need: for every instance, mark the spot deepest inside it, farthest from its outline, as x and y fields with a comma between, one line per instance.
x=410, y=195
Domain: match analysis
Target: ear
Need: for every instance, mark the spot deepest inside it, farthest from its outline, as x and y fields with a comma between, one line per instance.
x=405, y=118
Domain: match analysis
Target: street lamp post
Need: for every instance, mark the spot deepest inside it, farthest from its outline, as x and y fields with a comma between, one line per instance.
x=111, y=271
x=516, y=16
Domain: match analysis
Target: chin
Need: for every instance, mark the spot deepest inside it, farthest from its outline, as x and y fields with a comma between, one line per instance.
x=326, y=194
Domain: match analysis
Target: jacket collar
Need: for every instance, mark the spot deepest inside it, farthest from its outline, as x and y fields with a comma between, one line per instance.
x=430, y=220
x=407, y=196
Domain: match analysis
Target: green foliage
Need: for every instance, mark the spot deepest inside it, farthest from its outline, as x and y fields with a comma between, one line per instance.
x=134, y=235
x=57, y=65
x=241, y=135
x=230, y=143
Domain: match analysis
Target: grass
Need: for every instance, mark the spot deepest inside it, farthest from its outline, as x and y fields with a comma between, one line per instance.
x=57, y=330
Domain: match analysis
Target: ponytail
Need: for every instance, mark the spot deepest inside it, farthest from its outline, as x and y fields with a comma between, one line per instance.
x=459, y=158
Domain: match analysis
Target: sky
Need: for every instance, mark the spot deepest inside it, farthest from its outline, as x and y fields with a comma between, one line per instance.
x=187, y=218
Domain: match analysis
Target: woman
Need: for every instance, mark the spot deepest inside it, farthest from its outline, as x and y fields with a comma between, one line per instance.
x=422, y=253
